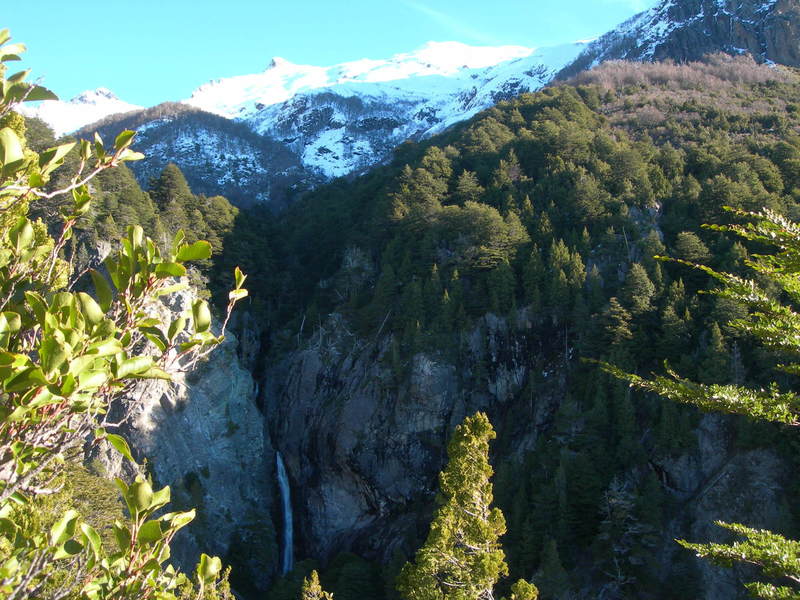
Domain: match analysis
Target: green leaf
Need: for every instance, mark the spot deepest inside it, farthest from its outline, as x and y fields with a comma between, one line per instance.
x=37, y=305
x=236, y=295
x=49, y=160
x=177, y=241
x=153, y=373
x=11, y=154
x=129, y=366
x=171, y=289
x=90, y=380
x=181, y=519
x=239, y=277
x=209, y=567
x=39, y=93
x=98, y=146
x=120, y=445
x=156, y=336
x=108, y=347
x=36, y=180
x=139, y=495
x=149, y=533
x=160, y=498
x=136, y=236
x=124, y=139
x=21, y=235
x=123, y=536
x=28, y=378
x=170, y=269
x=67, y=549
x=198, y=251
x=103, y=290
x=176, y=327
x=86, y=150
x=92, y=537
x=10, y=322
x=53, y=353
x=129, y=155
x=19, y=76
x=12, y=49
x=201, y=315
x=63, y=529
x=91, y=309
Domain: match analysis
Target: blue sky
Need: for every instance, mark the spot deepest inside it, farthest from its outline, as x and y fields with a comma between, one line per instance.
x=150, y=51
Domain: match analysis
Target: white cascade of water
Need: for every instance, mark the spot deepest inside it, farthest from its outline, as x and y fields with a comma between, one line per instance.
x=286, y=501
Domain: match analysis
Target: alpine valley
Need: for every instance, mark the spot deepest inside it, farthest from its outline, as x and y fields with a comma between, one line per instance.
x=460, y=229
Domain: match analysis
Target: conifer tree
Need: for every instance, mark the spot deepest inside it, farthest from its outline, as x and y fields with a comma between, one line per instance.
x=523, y=590
x=169, y=187
x=552, y=580
x=467, y=187
x=638, y=291
x=533, y=279
x=461, y=558
x=715, y=366
x=312, y=590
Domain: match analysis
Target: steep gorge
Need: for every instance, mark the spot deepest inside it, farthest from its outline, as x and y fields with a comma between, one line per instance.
x=364, y=369
x=361, y=383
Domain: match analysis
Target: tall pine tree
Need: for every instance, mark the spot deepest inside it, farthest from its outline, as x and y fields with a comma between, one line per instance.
x=461, y=558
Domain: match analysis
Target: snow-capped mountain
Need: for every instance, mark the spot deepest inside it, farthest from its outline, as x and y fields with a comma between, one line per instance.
x=345, y=118
x=686, y=30
x=297, y=125
x=87, y=107
x=332, y=121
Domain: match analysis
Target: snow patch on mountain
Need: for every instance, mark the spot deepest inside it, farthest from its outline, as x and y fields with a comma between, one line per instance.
x=347, y=117
x=85, y=108
x=242, y=96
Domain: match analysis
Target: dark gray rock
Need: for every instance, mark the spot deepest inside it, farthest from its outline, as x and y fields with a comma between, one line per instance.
x=687, y=30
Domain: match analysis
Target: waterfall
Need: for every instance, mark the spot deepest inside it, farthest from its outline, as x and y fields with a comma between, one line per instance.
x=286, y=501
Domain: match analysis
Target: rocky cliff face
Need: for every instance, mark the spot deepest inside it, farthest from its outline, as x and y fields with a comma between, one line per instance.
x=203, y=435
x=708, y=484
x=686, y=30
x=363, y=438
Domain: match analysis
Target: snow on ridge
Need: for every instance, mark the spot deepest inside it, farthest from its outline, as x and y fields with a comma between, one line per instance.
x=240, y=96
x=366, y=108
x=85, y=108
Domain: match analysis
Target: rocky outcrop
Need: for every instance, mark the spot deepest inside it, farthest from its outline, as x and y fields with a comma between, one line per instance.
x=203, y=435
x=363, y=435
x=708, y=485
x=687, y=30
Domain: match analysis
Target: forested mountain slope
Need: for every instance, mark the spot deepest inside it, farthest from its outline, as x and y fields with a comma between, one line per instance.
x=474, y=273
x=217, y=155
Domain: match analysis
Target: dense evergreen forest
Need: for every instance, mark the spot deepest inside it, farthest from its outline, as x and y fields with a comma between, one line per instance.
x=546, y=211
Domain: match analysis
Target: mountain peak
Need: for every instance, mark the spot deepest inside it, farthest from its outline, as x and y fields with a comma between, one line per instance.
x=686, y=30
x=278, y=62
x=95, y=95
x=86, y=107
